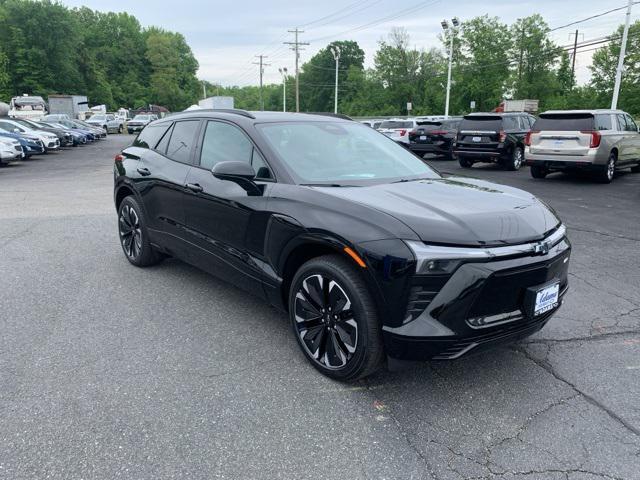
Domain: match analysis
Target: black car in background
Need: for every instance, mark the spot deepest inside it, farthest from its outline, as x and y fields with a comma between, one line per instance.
x=434, y=136
x=372, y=253
x=493, y=138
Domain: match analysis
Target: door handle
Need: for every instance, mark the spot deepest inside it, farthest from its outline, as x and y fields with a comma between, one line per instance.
x=144, y=171
x=194, y=187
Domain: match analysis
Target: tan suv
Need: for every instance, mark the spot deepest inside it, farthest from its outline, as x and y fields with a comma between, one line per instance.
x=601, y=141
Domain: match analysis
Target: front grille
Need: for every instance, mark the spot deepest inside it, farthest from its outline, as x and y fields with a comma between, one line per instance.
x=504, y=291
x=504, y=333
x=18, y=148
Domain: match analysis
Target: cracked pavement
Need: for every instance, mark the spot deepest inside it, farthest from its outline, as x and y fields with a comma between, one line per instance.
x=107, y=371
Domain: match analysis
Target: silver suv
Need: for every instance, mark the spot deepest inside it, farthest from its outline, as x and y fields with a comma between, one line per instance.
x=601, y=141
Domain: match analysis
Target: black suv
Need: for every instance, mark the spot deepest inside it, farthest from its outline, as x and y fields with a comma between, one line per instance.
x=493, y=137
x=434, y=136
x=372, y=253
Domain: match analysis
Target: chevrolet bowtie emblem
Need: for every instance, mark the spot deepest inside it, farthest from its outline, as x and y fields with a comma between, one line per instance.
x=541, y=248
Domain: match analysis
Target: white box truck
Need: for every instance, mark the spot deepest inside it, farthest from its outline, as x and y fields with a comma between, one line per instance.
x=216, y=102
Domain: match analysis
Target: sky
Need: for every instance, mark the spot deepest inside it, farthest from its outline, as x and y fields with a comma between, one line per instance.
x=225, y=36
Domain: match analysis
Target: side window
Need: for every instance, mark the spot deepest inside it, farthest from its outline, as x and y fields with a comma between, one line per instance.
x=622, y=123
x=260, y=166
x=182, y=140
x=603, y=122
x=150, y=136
x=631, y=125
x=164, y=141
x=223, y=142
x=510, y=123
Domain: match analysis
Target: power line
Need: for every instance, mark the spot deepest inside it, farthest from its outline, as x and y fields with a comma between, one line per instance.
x=590, y=18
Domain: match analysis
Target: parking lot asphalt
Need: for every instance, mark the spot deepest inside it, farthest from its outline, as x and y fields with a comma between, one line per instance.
x=108, y=371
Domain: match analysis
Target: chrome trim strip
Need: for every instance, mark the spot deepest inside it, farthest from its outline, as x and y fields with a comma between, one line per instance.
x=425, y=253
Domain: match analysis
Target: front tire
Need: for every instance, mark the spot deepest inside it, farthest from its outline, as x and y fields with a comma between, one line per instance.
x=335, y=319
x=134, y=237
x=465, y=162
x=636, y=169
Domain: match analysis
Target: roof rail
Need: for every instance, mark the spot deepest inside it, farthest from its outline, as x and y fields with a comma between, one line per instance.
x=328, y=114
x=236, y=111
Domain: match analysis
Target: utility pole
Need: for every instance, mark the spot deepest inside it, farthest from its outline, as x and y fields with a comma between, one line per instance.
x=454, y=29
x=283, y=71
x=204, y=90
x=573, y=58
x=623, y=49
x=295, y=46
x=262, y=65
x=335, y=50
x=521, y=54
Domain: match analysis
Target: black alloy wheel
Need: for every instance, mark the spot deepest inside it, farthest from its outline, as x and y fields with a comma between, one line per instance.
x=465, y=162
x=133, y=235
x=538, y=172
x=334, y=318
x=608, y=172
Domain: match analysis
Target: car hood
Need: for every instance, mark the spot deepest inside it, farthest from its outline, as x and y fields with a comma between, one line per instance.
x=458, y=211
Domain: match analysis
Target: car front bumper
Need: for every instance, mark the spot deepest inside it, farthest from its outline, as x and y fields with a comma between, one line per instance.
x=481, y=305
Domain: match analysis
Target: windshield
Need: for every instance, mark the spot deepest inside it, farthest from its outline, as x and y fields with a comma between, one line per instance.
x=142, y=118
x=341, y=153
x=396, y=124
x=98, y=117
x=24, y=123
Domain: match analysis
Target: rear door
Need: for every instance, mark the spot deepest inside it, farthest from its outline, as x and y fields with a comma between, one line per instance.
x=162, y=177
x=629, y=149
x=562, y=134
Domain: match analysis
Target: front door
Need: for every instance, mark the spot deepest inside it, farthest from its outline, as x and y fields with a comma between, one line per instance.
x=224, y=221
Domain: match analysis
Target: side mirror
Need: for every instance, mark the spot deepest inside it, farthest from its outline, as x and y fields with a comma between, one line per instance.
x=238, y=172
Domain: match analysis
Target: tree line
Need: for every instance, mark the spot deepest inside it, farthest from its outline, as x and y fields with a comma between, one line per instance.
x=491, y=61
x=48, y=48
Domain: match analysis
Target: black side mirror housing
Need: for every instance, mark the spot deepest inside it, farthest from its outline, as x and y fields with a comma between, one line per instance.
x=238, y=172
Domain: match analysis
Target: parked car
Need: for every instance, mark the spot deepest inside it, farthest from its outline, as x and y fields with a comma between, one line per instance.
x=49, y=140
x=371, y=252
x=66, y=139
x=99, y=132
x=139, y=122
x=434, y=136
x=598, y=141
x=77, y=137
x=10, y=151
x=80, y=136
x=31, y=145
x=108, y=122
x=398, y=129
x=375, y=124
x=493, y=137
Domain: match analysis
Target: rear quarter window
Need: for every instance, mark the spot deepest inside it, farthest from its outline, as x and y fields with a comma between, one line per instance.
x=565, y=122
x=150, y=135
x=603, y=122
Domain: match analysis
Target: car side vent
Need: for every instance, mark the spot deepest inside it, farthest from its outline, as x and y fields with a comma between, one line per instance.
x=419, y=300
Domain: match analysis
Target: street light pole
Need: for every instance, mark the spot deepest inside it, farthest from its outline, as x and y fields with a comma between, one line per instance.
x=445, y=27
x=283, y=72
x=623, y=49
x=335, y=50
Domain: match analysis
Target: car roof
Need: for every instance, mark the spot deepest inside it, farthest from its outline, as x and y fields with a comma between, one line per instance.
x=594, y=111
x=256, y=117
x=495, y=114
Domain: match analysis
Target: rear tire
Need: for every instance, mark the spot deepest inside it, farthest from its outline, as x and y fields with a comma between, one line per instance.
x=515, y=160
x=465, y=162
x=539, y=172
x=134, y=236
x=335, y=319
x=607, y=173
